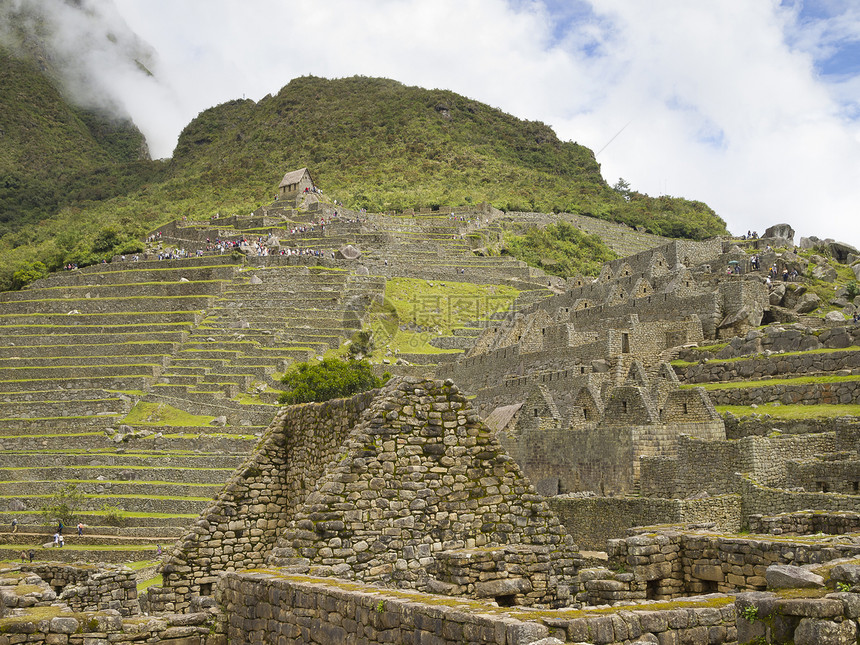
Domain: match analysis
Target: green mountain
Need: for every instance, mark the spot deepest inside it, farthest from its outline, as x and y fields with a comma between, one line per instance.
x=371, y=143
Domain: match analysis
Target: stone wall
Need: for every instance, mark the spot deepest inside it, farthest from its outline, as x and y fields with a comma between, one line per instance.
x=764, y=366
x=241, y=525
x=762, y=500
x=375, y=488
x=89, y=588
x=806, y=523
x=765, y=459
x=269, y=607
x=677, y=563
x=839, y=392
x=591, y=521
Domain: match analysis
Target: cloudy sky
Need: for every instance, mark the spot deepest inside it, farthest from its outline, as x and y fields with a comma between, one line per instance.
x=752, y=106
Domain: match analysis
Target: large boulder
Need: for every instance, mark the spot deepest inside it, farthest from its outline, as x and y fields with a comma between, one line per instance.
x=786, y=576
x=782, y=231
x=834, y=316
x=348, y=252
x=856, y=270
x=811, y=242
x=841, y=252
x=808, y=303
x=776, y=295
x=824, y=272
x=848, y=573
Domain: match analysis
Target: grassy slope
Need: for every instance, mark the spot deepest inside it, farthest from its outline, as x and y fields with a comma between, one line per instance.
x=371, y=143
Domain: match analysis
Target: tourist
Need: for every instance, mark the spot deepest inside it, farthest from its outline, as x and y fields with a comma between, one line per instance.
x=31, y=554
x=158, y=549
x=80, y=528
x=23, y=556
x=15, y=525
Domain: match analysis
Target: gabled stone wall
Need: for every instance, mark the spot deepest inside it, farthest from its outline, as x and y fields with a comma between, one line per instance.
x=374, y=488
x=241, y=525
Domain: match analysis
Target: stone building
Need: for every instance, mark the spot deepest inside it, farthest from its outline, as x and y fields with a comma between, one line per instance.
x=403, y=486
x=295, y=182
x=596, y=441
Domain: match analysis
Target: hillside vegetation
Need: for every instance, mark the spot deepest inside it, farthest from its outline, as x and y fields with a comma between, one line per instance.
x=74, y=189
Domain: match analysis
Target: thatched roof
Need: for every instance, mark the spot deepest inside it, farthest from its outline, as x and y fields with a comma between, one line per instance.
x=294, y=177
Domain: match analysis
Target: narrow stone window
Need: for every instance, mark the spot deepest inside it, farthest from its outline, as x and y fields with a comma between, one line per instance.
x=685, y=407
x=624, y=407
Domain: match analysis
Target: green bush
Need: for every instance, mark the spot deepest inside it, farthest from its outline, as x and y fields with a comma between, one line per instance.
x=330, y=379
x=29, y=272
x=63, y=504
x=559, y=249
x=852, y=289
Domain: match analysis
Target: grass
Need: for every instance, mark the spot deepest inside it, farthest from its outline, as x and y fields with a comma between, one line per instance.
x=802, y=380
x=146, y=413
x=821, y=411
x=809, y=352
x=437, y=306
x=157, y=581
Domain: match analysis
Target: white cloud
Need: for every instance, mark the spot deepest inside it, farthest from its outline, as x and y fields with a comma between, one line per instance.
x=722, y=101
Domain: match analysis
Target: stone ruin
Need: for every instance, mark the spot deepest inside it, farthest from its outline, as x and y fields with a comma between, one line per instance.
x=398, y=515
x=402, y=487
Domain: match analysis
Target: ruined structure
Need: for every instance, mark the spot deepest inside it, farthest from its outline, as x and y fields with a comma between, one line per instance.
x=403, y=486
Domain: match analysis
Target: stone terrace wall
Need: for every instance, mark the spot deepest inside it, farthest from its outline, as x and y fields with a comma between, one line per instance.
x=806, y=523
x=270, y=608
x=764, y=458
x=241, y=525
x=840, y=392
x=91, y=628
x=764, y=366
x=591, y=521
x=87, y=588
x=676, y=563
x=762, y=500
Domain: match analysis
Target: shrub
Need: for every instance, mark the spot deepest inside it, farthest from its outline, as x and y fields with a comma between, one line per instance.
x=63, y=504
x=853, y=289
x=27, y=273
x=330, y=379
x=113, y=515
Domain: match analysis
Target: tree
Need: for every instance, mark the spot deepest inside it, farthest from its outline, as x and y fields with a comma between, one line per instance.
x=330, y=379
x=622, y=187
x=362, y=345
x=63, y=504
x=27, y=273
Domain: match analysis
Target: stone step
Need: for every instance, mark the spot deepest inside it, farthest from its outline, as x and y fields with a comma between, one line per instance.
x=90, y=349
x=70, y=535
x=229, y=444
x=72, y=371
x=69, y=553
x=185, y=471
x=132, y=503
x=94, y=394
x=97, y=323
x=32, y=488
x=106, y=306
x=128, y=382
x=209, y=260
x=86, y=361
x=69, y=408
x=111, y=291
x=133, y=276
x=67, y=337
